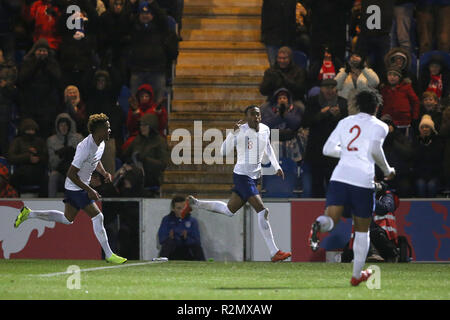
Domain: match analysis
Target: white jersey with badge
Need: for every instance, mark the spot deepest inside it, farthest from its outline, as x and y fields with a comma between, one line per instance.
x=357, y=141
x=87, y=157
x=251, y=147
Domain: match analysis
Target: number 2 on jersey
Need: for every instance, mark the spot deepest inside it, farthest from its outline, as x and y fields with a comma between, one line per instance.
x=358, y=129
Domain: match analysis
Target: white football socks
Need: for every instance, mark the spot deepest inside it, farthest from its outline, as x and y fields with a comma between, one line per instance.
x=49, y=215
x=361, y=245
x=266, y=232
x=100, y=233
x=326, y=223
x=214, y=206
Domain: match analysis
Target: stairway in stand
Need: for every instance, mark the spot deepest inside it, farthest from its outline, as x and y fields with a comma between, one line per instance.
x=219, y=68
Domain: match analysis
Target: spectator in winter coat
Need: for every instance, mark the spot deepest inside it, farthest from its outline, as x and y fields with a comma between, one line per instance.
x=283, y=115
x=76, y=108
x=39, y=87
x=325, y=66
x=355, y=75
x=28, y=153
x=150, y=149
x=180, y=238
x=61, y=149
x=144, y=104
x=399, y=153
x=101, y=97
x=400, y=101
x=277, y=26
x=428, y=159
x=322, y=114
x=78, y=45
x=400, y=58
x=285, y=74
x=435, y=76
x=329, y=20
x=153, y=47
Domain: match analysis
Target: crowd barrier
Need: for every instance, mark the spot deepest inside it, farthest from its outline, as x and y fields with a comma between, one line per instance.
x=425, y=223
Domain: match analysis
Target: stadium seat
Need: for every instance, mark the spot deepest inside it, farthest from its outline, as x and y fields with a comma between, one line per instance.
x=275, y=187
x=301, y=59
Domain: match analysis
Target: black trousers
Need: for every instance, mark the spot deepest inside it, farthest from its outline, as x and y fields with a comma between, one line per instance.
x=174, y=251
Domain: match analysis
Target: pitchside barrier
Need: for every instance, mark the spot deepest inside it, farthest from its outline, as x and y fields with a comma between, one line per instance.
x=132, y=226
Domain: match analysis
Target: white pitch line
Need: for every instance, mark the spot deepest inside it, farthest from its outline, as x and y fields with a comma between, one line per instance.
x=97, y=268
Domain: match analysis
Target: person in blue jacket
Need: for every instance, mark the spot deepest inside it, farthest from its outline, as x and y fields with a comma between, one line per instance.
x=180, y=238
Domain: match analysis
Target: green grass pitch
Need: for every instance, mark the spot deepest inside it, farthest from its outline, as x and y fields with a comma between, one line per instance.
x=178, y=280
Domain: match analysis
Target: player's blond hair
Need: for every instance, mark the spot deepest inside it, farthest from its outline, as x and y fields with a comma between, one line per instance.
x=96, y=120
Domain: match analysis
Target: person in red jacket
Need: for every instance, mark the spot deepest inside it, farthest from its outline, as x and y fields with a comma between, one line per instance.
x=400, y=101
x=141, y=105
x=44, y=16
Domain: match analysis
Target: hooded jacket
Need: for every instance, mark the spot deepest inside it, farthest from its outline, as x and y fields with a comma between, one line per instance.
x=425, y=76
x=150, y=107
x=289, y=123
x=39, y=82
x=19, y=151
x=405, y=68
x=57, y=141
x=401, y=102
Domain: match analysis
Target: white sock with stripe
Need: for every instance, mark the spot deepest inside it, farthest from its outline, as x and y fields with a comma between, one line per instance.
x=49, y=215
x=266, y=232
x=100, y=233
x=361, y=245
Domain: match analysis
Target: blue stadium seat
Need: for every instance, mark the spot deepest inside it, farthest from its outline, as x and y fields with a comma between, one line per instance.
x=275, y=187
x=301, y=59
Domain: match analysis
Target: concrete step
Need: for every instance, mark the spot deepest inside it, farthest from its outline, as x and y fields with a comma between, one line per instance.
x=216, y=93
x=223, y=46
x=221, y=59
x=217, y=80
x=220, y=35
x=214, y=105
x=196, y=177
x=223, y=70
x=221, y=23
x=224, y=3
x=194, y=10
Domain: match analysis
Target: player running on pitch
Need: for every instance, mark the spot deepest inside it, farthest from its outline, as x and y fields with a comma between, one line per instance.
x=358, y=142
x=78, y=193
x=251, y=140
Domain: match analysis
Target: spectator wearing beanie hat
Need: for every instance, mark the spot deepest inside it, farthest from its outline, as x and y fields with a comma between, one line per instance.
x=428, y=159
x=400, y=100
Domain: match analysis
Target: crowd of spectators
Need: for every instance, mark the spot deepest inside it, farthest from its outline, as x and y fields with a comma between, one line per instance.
x=58, y=65
x=399, y=48
x=63, y=60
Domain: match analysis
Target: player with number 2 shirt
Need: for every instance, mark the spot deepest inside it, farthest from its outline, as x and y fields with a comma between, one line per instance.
x=358, y=143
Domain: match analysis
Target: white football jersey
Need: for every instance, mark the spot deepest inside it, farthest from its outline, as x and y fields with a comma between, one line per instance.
x=87, y=156
x=251, y=146
x=357, y=141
